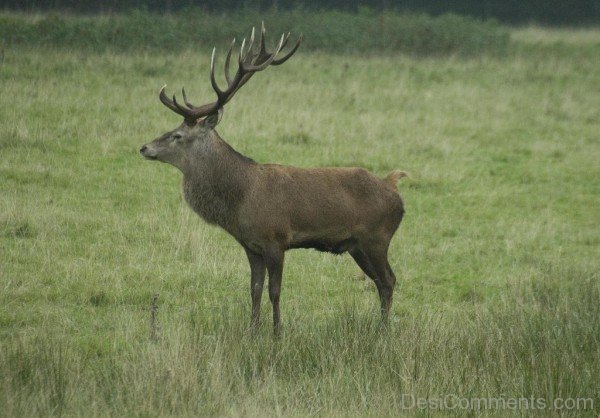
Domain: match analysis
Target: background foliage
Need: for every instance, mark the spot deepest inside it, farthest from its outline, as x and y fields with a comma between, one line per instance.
x=514, y=11
x=329, y=31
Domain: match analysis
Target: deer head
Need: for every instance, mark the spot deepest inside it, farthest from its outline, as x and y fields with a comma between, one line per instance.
x=196, y=134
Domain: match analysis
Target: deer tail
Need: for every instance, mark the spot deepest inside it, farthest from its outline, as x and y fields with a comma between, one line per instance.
x=394, y=176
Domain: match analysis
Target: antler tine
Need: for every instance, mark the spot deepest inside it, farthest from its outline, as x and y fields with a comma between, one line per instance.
x=241, y=56
x=185, y=100
x=213, y=82
x=164, y=99
x=184, y=110
x=227, y=75
x=250, y=46
x=263, y=48
x=285, y=41
x=262, y=66
x=283, y=59
x=172, y=104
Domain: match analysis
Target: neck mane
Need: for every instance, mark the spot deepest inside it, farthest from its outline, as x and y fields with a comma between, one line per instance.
x=215, y=183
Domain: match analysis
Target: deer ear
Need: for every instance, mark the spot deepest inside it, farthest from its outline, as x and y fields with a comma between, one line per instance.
x=212, y=120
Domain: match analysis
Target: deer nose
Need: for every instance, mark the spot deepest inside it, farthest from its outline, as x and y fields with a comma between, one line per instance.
x=144, y=148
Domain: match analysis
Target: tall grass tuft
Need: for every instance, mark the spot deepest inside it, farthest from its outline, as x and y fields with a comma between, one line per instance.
x=529, y=342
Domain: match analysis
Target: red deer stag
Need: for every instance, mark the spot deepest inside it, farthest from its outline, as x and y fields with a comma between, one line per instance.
x=270, y=208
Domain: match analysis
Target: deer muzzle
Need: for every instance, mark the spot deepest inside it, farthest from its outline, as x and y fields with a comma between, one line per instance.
x=148, y=153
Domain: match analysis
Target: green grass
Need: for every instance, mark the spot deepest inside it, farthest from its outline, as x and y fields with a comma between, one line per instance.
x=497, y=258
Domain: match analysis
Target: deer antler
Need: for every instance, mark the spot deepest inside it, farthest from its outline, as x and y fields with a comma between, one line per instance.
x=249, y=62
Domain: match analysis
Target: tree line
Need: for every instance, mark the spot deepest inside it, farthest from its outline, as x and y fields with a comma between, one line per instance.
x=508, y=11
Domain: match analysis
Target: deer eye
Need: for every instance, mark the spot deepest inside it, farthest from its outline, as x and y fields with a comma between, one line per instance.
x=176, y=136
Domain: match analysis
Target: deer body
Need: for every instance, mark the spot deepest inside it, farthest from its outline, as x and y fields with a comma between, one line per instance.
x=329, y=209
x=267, y=205
x=270, y=208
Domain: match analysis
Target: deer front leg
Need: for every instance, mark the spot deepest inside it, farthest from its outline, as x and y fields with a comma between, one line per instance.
x=257, y=279
x=274, y=262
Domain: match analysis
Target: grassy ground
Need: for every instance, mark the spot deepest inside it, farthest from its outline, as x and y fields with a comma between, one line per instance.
x=497, y=257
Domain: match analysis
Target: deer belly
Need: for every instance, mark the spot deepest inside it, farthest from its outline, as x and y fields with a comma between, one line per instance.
x=332, y=244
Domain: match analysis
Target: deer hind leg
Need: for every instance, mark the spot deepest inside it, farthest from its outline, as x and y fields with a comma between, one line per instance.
x=274, y=262
x=257, y=279
x=390, y=273
x=363, y=262
x=373, y=261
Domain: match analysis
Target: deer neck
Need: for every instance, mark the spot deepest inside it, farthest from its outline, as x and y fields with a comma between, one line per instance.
x=215, y=183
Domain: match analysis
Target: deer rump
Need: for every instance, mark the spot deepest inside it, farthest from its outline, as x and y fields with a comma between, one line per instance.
x=328, y=209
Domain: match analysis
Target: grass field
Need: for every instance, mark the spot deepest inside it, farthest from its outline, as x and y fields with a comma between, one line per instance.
x=497, y=257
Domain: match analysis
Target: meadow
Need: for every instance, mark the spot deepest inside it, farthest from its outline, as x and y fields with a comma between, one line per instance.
x=497, y=258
